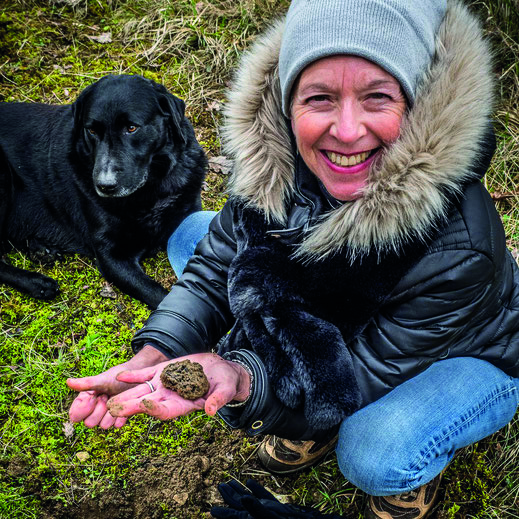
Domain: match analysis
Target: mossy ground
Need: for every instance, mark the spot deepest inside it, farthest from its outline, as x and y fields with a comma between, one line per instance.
x=47, y=54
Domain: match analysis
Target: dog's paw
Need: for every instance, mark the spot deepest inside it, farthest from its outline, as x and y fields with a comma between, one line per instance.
x=44, y=257
x=44, y=288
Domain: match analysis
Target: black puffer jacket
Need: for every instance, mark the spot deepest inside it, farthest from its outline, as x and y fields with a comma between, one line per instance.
x=458, y=297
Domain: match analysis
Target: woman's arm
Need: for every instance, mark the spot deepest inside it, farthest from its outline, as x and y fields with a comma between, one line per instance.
x=263, y=412
x=192, y=319
x=195, y=314
x=238, y=378
x=227, y=381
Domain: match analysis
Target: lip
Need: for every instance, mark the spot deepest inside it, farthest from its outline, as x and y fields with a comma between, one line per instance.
x=349, y=170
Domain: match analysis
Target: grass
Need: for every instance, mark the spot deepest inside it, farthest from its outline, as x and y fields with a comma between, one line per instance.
x=47, y=54
x=501, y=19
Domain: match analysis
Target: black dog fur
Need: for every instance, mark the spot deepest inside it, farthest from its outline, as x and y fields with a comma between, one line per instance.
x=110, y=176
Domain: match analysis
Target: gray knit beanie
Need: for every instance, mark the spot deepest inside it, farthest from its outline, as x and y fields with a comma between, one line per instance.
x=397, y=35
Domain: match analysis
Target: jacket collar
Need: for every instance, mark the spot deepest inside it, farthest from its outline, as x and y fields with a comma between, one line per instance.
x=409, y=190
x=308, y=202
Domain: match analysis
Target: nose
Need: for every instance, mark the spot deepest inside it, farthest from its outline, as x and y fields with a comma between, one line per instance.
x=106, y=180
x=347, y=125
x=107, y=188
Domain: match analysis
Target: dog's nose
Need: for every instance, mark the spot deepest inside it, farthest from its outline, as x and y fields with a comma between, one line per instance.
x=105, y=178
x=107, y=188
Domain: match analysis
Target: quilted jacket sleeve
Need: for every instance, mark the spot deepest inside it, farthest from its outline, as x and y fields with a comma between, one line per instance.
x=461, y=299
x=195, y=314
x=445, y=305
x=453, y=292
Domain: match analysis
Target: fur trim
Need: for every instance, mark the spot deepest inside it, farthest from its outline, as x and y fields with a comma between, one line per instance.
x=410, y=186
x=256, y=133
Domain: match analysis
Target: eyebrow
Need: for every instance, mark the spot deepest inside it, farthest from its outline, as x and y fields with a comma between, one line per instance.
x=315, y=86
x=324, y=87
x=381, y=82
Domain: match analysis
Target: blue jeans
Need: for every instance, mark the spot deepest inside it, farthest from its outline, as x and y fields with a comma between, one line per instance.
x=407, y=437
x=184, y=239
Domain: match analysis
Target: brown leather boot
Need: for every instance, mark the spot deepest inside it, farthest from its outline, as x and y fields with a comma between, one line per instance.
x=415, y=504
x=282, y=456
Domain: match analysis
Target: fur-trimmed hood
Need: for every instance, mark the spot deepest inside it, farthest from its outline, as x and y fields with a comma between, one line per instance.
x=409, y=188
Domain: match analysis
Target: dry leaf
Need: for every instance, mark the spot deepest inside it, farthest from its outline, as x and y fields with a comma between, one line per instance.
x=68, y=429
x=499, y=195
x=220, y=164
x=108, y=291
x=213, y=106
x=82, y=456
x=105, y=37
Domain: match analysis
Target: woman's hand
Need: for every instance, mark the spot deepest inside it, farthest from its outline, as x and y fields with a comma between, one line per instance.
x=90, y=405
x=227, y=381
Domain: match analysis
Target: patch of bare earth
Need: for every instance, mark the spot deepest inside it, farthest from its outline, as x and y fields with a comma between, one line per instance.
x=182, y=485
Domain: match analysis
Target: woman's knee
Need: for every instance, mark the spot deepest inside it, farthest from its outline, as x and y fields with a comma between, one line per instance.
x=183, y=241
x=385, y=449
x=407, y=437
x=371, y=459
x=380, y=468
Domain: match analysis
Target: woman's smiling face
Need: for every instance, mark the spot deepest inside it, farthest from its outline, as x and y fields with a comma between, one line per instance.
x=345, y=109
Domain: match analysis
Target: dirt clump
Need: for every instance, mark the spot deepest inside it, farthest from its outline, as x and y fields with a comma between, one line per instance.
x=18, y=467
x=183, y=484
x=115, y=407
x=186, y=378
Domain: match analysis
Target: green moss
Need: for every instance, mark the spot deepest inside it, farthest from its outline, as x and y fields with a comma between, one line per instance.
x=47, y=56
x=470, y=481
x=41, y=344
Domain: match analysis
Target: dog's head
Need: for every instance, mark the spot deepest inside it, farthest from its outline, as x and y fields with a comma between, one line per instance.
x=121, y=124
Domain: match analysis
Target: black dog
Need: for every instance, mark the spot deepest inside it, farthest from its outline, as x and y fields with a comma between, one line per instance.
x=110, y=176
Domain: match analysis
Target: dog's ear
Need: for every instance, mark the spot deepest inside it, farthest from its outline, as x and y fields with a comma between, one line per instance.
x=78, y=105
x=174, y=108
x=83, y=147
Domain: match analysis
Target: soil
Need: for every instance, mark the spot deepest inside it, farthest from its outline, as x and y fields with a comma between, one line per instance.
x=112, y=406
x=183, y=485
x=186, y=378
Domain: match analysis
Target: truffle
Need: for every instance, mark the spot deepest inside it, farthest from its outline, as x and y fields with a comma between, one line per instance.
x=186, y=378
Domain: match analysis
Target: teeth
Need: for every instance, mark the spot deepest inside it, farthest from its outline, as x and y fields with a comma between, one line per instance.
x=343, y=160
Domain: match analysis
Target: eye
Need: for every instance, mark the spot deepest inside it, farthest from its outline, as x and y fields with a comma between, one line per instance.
x=132, y=128
x=379, y=95
x=317, y=99
x=90, y=131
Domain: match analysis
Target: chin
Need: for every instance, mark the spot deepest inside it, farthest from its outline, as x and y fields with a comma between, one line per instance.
x=346, y=194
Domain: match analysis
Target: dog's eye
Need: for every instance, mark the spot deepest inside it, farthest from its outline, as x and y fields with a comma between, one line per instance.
x=90, y=131
x=131, y=129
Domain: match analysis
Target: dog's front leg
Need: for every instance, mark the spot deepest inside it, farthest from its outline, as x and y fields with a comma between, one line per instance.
x=128, y=276
x=32, y=283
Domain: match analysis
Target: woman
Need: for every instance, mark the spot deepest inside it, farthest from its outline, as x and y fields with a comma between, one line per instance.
x=359, y=263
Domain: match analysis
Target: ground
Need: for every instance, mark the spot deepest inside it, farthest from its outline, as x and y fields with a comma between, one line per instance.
x=50, y=468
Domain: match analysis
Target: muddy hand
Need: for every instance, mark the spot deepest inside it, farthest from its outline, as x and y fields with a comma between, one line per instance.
x=90, y=405
x=90, y=408
x=227, y=381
